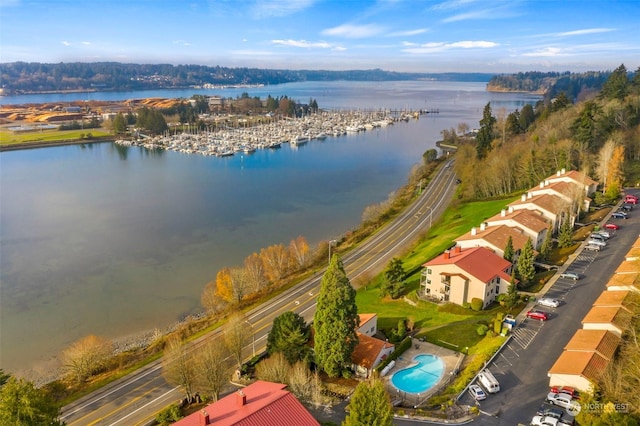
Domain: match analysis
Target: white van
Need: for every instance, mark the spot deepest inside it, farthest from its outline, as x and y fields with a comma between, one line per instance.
x=488, y=382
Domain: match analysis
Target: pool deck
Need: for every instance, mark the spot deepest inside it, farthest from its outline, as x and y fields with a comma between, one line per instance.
x=451, y=360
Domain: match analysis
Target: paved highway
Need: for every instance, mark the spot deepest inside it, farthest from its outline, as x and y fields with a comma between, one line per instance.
x=134, y=399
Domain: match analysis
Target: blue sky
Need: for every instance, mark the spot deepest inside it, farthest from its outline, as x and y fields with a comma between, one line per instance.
x=411, y=35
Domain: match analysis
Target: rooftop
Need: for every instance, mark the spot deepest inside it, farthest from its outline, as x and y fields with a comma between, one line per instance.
x=479, y=262
x=589, y=365
x=604, y=342
x=612, y=298
x=367, y=350
x=618, y=316
x=259, y=404
x=529, y=219
x=498, y=236
x=547, y=202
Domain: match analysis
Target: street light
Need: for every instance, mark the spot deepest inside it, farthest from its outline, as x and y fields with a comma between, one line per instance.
x=330, y=243
x=253, y=338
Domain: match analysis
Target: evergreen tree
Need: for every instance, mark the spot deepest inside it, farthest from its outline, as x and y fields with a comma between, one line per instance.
x=335, y=320
x=565, y=236
x=486, y=134
x=512, y=296
x=119, y=124
x=508, y=250
x=527, y=117
x=394, y=278
x=617, y=86
x=526, y=268
x=547, y=245
x=22, y=404
x=370, y=405
x=289, y=335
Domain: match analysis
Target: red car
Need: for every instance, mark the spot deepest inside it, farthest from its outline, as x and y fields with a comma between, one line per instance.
x=611, y=226
x=567, y=390
x=539, y=315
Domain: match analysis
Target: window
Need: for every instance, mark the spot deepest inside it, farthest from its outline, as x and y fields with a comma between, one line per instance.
x=497, y=289
x=428, y=281
x=428, y=271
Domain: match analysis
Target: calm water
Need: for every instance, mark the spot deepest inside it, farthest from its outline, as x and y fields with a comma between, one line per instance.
x=420, y=377
x=112, y=241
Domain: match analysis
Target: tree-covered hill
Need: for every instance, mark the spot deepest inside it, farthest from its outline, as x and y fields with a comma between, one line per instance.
x=599, y=136
x=23, y=77
x=550, y=84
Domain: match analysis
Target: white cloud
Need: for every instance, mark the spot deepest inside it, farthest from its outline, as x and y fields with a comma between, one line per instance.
x=86, y=43
x=433, y=47
x=408, y=33
x=302, y=43
x=452, y=4
x=247, y=52
x=339, y=49
x=547, y=52
x=585, y=31
x=354, y=31
x=66, y=43
x=278, y=8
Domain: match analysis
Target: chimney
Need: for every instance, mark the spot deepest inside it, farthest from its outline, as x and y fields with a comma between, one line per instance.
x=558, y=173
x=541, y=185
x=529, y=195
x=503, y=213
x=473, y=231
x=563, y=171
x=483, y=226
x=446, y=254
x=524, y=197
x=510, y=209
x=241, y=399
x=457, y=249
x=546, y=182
x=204, y=418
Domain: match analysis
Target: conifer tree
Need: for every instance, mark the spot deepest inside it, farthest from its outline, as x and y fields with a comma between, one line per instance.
x=565, y=236
x=335, y=320
x=547, y=245
x=508, y=250
x=486, y=134
x=526, y=268
x=370, y=406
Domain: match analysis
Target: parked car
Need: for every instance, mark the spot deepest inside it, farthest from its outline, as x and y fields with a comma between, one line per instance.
x=547, y=410
x=570, y=275
x=626, y=207
x=551, y=303
x=592, y=247
x=569, y=390
x=561, y=400
x=477, y=393
x=548, y=421
x=611, y=226
x=538, y=315
x=631, y=199
x=596, y=242
x=604, y=233
x=619, y=215
x=597, y=236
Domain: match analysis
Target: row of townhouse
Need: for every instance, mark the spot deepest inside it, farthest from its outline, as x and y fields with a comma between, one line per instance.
x=587, y=355
x=475, y=267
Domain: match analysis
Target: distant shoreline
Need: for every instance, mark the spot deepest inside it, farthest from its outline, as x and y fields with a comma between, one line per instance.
x=34, y=145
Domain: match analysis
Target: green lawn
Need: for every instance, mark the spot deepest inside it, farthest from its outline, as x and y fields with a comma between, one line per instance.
x=449, y=323
x=10, y=138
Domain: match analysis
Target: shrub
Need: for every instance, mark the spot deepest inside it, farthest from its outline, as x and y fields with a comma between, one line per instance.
x=169, y=415
x=497, y=325
x=476, y=304
x=482, y=330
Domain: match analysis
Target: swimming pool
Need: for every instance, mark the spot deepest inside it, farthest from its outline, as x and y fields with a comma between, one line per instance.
x=420, y=377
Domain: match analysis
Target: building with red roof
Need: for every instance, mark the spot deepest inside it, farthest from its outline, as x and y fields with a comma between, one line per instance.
x=259, y=404
x=460, y=275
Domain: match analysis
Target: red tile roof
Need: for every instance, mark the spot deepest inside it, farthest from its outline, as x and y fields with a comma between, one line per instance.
x=479, y=262
x=266, y=404
x=589, y=365
x=529, y=219
x=367, y=350
x=551, y=203
x=604, y=342
x=498, y=236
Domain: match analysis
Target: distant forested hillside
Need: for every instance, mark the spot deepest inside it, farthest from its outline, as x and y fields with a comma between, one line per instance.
x=23, y=77
x=551, y=84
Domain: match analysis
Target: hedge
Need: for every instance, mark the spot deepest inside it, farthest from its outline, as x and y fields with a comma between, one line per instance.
x=400, y=349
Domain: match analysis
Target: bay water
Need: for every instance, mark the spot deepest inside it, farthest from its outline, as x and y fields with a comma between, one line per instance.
x=109, y=240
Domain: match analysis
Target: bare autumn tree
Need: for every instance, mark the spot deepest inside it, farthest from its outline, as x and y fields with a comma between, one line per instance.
x=299, y=251
x=210, y=299
x=232, y=284
x=255, y=272
x=178, y=366
x=276, y=260
x=86, y=356
x=236, y=335
x=276, y=369
x=214, y=368
x=301, y=381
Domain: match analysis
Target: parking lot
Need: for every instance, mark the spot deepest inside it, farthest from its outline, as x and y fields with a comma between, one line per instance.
x=521, y=366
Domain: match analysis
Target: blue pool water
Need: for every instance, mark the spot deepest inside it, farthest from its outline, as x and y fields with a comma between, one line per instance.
x=420, y=377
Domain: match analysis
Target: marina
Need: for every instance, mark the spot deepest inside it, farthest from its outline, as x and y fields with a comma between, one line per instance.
x=295, y=131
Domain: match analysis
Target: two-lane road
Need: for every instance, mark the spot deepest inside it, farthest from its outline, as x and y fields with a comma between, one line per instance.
x=136, y=398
